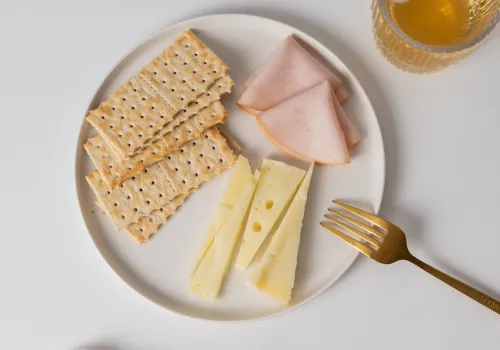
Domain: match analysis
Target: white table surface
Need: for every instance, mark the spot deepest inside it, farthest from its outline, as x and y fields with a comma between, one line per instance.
x=443, y=187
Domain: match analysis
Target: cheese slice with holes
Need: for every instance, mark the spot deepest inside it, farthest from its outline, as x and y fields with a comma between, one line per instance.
x=275, y=273
x=207, y=279
x=277, y=185
x=240, y=176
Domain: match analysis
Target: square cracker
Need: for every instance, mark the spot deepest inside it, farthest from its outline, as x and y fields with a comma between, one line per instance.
x=197, y=161
x=148, y=225
x=132, y=115
x=108, y=163
x=135, y=198
x=115, y=173
x=169, y=82
x=101, y=152
x=214, y=93
x=182, y=171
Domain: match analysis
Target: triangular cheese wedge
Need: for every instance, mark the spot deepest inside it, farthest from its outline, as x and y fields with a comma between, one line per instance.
x=307, y=126
x=277, y=185
x=207, y=279
x=289, y=70
x=240, y=176
x=275, y=273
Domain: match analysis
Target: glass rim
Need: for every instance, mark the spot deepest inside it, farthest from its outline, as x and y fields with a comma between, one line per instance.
x=437, y=48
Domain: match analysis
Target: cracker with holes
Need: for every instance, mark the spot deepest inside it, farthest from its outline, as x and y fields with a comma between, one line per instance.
x=214, y=93
x=145, y=104
x=181, y=172
x=148, y=225
x=135, y=198
x=114, y=173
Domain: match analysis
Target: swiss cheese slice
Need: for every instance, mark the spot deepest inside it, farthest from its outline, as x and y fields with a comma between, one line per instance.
x=277, y=185
x=275, y=273
x=241, y=175
x=207, y=279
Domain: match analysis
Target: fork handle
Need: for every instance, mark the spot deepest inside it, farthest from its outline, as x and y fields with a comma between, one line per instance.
x=478, y=296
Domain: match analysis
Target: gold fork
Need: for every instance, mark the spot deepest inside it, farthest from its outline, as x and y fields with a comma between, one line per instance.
x=389, y=245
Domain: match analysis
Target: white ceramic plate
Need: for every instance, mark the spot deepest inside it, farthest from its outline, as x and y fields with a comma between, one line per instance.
x=159, y=270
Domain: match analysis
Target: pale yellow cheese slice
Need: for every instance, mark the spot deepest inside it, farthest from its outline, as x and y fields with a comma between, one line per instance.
x=277, y=185
x=241, y=175
x=275, y=272
x=207, y=279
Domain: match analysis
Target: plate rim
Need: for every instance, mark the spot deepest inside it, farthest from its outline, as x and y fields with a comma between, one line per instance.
x=187, y=23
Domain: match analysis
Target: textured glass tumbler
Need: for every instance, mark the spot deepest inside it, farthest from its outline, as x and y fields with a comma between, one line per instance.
x=412, y=56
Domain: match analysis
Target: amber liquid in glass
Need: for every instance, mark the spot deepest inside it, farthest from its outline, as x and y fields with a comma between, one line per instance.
x=432, y=22
x=423, y=36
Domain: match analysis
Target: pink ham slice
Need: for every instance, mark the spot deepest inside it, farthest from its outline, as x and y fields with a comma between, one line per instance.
x=352, y=137
x=251, y=78
x=342, y=94
x=307, y=127
x=290, y=70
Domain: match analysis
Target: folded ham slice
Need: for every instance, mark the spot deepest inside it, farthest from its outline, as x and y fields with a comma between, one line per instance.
x=252, y=76
x=351, y=136
x=289, y=71
x=342, y=94
x=307, y=127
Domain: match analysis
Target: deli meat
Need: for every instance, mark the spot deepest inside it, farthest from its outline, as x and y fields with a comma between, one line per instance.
x=289, y=71
x=307, y=126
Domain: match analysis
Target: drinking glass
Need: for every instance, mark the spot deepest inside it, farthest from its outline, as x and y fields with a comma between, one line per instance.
x=425, y=51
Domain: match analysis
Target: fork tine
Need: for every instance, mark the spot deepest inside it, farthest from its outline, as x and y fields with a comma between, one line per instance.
x=348, y=239
x=358, y=233
x=357, y=223
x=375, y=220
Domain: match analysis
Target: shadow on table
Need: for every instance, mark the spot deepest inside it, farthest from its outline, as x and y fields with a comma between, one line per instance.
x=97, y=346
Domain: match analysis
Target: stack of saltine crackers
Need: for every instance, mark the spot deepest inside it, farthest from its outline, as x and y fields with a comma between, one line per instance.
x=158, y=138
